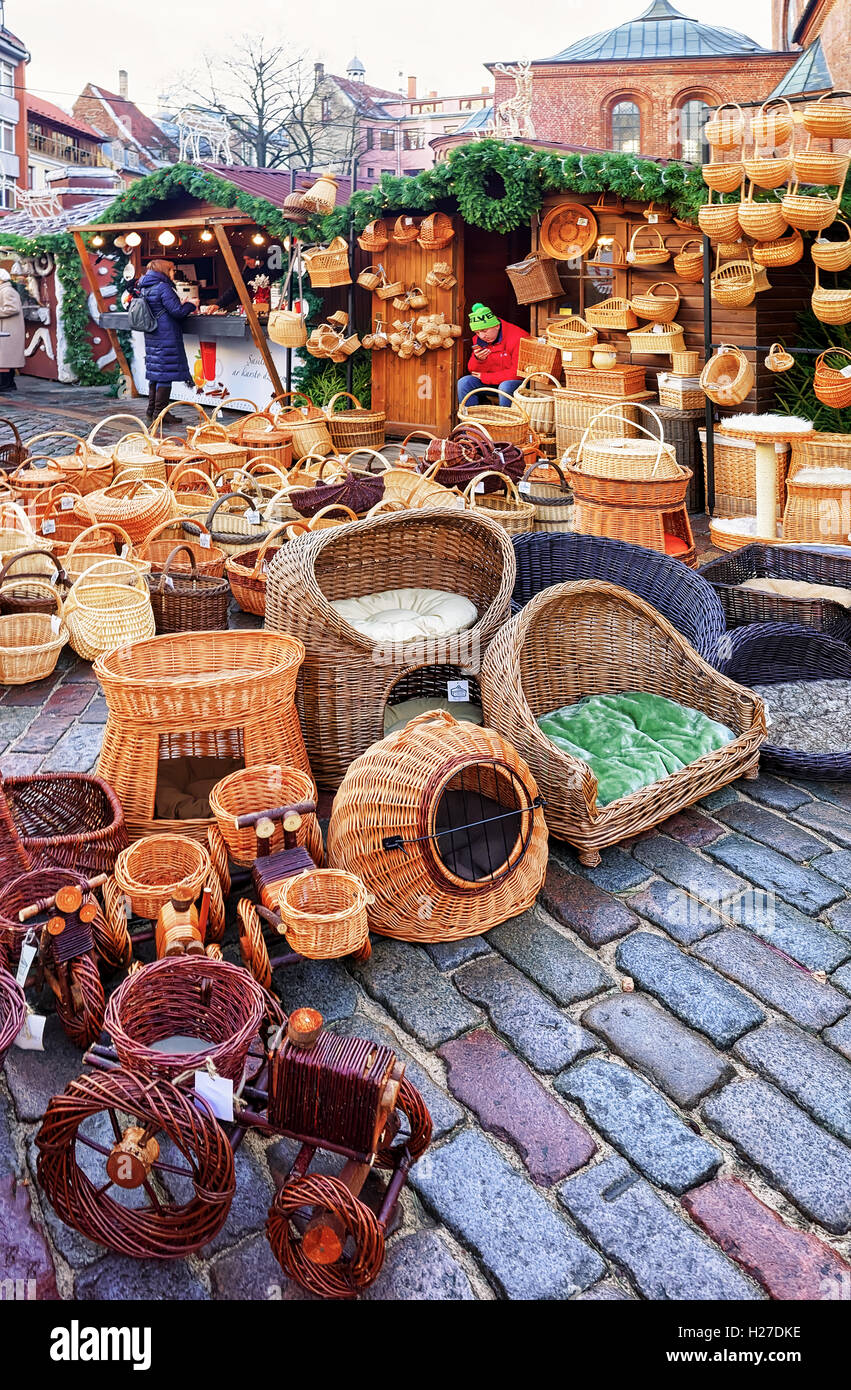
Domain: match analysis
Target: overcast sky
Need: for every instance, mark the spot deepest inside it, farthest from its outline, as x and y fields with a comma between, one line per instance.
x=442, y=42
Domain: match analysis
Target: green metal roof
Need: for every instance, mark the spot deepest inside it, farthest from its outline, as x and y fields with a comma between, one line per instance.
x=809, y=74
x=660, y=32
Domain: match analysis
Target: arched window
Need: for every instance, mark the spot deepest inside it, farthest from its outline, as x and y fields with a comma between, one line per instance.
x=693, y=117
x=626, y=127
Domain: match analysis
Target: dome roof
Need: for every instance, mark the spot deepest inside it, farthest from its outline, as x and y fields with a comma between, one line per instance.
x=355, y=68
x=660, y=32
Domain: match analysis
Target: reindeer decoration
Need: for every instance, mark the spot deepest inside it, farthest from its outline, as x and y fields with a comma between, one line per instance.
x=194, y=126
x=514, y=115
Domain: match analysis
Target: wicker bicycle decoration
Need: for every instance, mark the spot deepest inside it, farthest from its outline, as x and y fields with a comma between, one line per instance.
x=291, y=1078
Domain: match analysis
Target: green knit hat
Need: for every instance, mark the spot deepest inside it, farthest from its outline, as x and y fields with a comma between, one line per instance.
x=482, y=317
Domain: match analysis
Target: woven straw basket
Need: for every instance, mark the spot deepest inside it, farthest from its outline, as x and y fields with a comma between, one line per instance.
x=106, y=609
x=263, y=787
x=510, y=511
x=324, y=913
x=833, y=255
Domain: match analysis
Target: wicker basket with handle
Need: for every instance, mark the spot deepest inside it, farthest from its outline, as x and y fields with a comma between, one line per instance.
x=405, y=230
x=657, y=338
x=30, y=643
x=688, y=261
x=436, y=231
x=17, y=534
x=832, y=387
x=356, y=427
x=107, y=608
x=534, y=279
x=263, y=787
x=571, y=332
x=328, y=266
x=374, y=237
x=27, y=590
x=659, y=308
x=603, y=454
x=539, y=404
x=828, y=118
x=652, y=252
x=809, y=212
x=86, y=469
x=726, y=128
x=247, y=569
x=831, y=305
x=241, y=523
x=137, y=505
x=786, y=250
x=104, y=543
x=193, y=489
x=136, y=456
x=819, y=166
x=214, y=441
x=508, y=424
x=194, y=537
x=763, y=220
x=728, y=376
x=308, y=425
x=324, y=913
x=611, y=313
x=724, y=176
x=510, y=511
x=733, y=282
x=766, y=171
x=833, y=255
x=720, y=221
x=552, y=500
x=184, y=600
x=773, y=124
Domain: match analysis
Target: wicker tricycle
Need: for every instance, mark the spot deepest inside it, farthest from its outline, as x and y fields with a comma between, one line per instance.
x=160, y=1184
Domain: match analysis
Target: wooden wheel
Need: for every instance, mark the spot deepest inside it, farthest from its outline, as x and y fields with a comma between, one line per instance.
x=115, y=1133
x=409, y=1127
x=354, y=1257
x=80, y=1010
x=252, y=947
x=110, y=930
x=219, y=857
x=216, y=914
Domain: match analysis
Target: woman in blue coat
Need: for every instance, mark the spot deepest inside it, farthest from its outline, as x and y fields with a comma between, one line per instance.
x=165, y=355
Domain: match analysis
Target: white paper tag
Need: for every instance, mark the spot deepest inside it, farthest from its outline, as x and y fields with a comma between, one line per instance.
x=582, y=221
x=480, y=487
x=128, y=908
x=29, y=951
x=652, y=217
x=55, y=624
x=845, y=371
x=630, y=256
x=265, y=567
x=169, y=582
x=524, y=486
x=31, y=1036
x=658, y=328
x=217, y=1091
x=48, y=526
x=253, y=516
x=458, y=691
x=125, y=551
x=567, y=357
x=66, y=503
x=304, y=409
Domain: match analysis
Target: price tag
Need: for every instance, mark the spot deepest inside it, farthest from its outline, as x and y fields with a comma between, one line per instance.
x=652, y=217
x=217, y=1091
x=253, y=516
x=265, y=567
x=582, y=221
x=29, y=951
x=845, y=371
x=169, y=582
x=458, y=691
x=66, y=503
x=48, y=526
x=630, y=256
x=128, y=908
x=524, y=486
x=567, y=357
x=125, y=551
x=31, y=1036
x=480, y=487
x=204, y=542
x=658, y=328
x=55, y=625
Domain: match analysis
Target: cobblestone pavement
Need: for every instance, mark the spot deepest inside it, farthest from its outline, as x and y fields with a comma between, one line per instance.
x=640, y=1088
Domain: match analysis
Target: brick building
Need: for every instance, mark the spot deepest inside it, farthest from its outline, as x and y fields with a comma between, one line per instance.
x=644, y=86
x=819, y=32
x=133, y=143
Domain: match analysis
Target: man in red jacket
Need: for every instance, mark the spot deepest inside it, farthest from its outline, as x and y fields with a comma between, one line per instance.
x=493, y=362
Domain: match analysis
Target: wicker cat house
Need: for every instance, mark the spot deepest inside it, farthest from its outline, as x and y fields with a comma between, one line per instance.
x=195, y=704
x=346, y=680
x=591, y=638
x=443, y=823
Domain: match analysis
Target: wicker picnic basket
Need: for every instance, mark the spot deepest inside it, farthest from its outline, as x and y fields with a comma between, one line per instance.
x=159, y=867
x=30, y=591
x=830, y=385
x=324, y=913
x=328, y=266
x=287, y=327
x=30, y=642
x=357, y=427
x=393, y=824
x=187, y=996
x=774, y=123
x=534, y=279
x=574, y=413
x=552, y=500
x=236, y=521
x=809, y=212
x=107, y=608
x=604, y=453
x=720, y=221
x=87, y=469
x=67, y=819
x=375, y=236
x=833, y=255
x=728, y=376
x=34, y=480
x=137, y=506
x=831, y=306
x=525, y=675
x=659, y=308
x=308, y=425
x=247, y=569
x=763, y=220
x=507, y=423
x=263, y=787
x=722, y=175
x=726, y=128
x=538, y=403
x=571, y=332
x=733, y=282
x=214, y=441
x=435, y=232
x=259, y=435
x=184, y=600
x=786, y=250
x=688, y=263
x=13, y=1010
x=611, y=313
x=510, y=511
x=828, y=118
x=653, y=252
x=657, y=338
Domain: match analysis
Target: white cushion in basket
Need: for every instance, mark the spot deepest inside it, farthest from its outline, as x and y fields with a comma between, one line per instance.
x=400, y=615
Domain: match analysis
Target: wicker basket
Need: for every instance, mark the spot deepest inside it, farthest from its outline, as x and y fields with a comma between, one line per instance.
x=688, y=263
x=136, y=456
x=263, y=787
x=374, y=237
x=659, y=340
x=436, y=231
x=186, y=996
x=184, y=600
x=764, y=220
x=396, y=799
x=107, y=608
x=17, y=535
x=12, y=452
x=553, y=501
x=653, y=252
x=728, y=377
x=534, y=279
x=723, y=176
x=356, y=428
x=307, y=424
x=611, y=313
x=833, y=255
x=88, y=470
x=685, y=363
x=828, y=118
x=745, y=606
x=604, y=453
x=159, y=867
x=831, y=306
x=819, y=167
x=733, y=282
x=30, y=644
x=735, y=474
x=680, y=392
x=263, y=440
x=328, y=266
x=215, y=442
x=773, y=124
x=536, y=355
x=538, y=403
x=815, y=512
x=622, y=380
x=247, y=569
x=66, y=819
x=509, y=511
x=765, y=171
x=659, y=308
x=720, y=221
x=105, y=543
x=508, y=424
x=194, y=537
x=574, y=413
x=405, y=230
x=831, y=386
x=137, y=506
x=240, y=525
x=30, y=591
x=194, y=491
x=726, y=128
x=324, y=913
x=786, y=250
x=778, y=359
x=571, y=332
x=809, y=212
x=13, y=1011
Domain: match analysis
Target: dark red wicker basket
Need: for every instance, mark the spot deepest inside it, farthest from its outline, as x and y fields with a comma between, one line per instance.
x=64, y=818
x=13, y=1011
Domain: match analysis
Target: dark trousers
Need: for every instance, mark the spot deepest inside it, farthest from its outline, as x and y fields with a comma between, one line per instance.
x=159, y=395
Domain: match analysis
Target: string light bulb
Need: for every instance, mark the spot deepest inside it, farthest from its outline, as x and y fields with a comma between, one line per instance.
x=132, y=239
x=97, y=240
x=258, y=239
x=166, y=238
x=206, y=235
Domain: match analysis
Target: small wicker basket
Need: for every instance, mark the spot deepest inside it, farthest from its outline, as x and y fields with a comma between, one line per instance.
x=653, y=252
x=831, y=386
x=324, y=913
x=158, y=868
x=263, y=787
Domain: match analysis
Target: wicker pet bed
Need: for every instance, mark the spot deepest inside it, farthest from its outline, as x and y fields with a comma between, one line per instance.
x=591, y=638
x=744, y=606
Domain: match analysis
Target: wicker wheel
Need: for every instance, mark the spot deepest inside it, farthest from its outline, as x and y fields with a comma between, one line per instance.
x=13, y=1010
x=216, y=916
x=82, y=1020
x=194, y=1187
x=418, y=1137
x=219, y=857
x=113, y=943
x=252, y=947
x=347, y=1275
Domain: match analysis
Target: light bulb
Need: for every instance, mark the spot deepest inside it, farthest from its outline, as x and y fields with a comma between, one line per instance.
x=133, y=239
x=258, y=239
x=206, y=235
x=166, y=238
x=97, y=240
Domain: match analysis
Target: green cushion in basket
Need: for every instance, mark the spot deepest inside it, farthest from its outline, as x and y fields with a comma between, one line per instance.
x=632, y=739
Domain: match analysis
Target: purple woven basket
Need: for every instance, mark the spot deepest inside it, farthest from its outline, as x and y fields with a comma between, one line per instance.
x=768, y=653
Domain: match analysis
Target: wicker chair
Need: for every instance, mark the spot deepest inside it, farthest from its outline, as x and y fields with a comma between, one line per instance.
x=667, y=585
x=346, y=681
x=590, y=638
x=768, y=653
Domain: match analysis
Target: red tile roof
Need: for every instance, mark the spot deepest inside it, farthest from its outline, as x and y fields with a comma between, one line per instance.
x=368, y=99
x=46, y=111
x=271, y=184
x=141, y=127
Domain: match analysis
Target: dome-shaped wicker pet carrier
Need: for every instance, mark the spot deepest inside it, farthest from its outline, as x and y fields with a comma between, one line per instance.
x=442, y=822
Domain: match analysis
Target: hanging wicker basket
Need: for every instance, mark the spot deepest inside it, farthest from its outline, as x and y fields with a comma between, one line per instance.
x=831, y=387
x=831, y=306
x=829, y=118
x=728, y=376
x=534, y=279
x=833, y=255
x=436, y=231
x=720, y=221
x=820, y=168
x=659, y=308
x=786, y=250
x=767, y=172
x=652, y=252
x=734, y=282
x=723, y=177
x=764, y=221
x=405, y=230
x=374, y=237
x=809, y=212
x=328, y=266
x=773, y=124
x=778, y=359
x=726, y=128
x=688, y=262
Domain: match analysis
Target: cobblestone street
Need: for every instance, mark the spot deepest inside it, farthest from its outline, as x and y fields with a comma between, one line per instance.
x=640, y=1089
